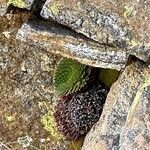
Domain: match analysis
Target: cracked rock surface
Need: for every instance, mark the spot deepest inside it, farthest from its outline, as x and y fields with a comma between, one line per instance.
x=124, y=24
x=35, y=34
x=124, y=123
x=58, y=40
x=26, y=90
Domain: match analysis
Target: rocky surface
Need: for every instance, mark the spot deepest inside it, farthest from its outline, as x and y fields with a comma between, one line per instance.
x=59, y=40
x=3, y=7
x=97, y=33
x=27, y=4
x=124, y=123
x=124, y=24
x=121, y=24
x=25, y=90
x=136, y=132
x=22, y=3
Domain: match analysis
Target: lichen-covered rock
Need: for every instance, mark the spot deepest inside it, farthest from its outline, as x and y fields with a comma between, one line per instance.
x=59, y=40
x=136, y=132
x=75, y=115
x=18, y=3
x=26, y=90
x=34, y=5
x=102, y=34
x=124, y=24
x=49, y=123
x=123, y=105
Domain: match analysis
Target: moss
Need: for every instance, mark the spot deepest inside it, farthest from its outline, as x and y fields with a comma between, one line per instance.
x=49, y=124
x=17, y=3
x=76, y=144
x=70, y=76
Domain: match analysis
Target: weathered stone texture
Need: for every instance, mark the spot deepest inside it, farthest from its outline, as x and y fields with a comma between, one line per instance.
x=97, y=33
x=108, y=132
x=25, y=94
x=25, y=90
x=124, y=24
x=3, y=7
x=56, y=39
x=22, y=3
x=34, y=5
x=136, y=132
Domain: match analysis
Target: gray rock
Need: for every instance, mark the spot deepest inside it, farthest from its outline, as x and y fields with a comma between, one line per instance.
x=108, y=133
x=3, y=7
x=59, y=40
x=136, y=132
x=26, y=91
x=124, y=24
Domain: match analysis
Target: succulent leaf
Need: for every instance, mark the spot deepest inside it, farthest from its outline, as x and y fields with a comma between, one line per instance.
x=76, y=115
x=70, y=76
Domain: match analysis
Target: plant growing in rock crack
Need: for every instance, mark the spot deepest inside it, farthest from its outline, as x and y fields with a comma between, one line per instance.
x=78, y=106
x=75, y=115
x=70, y=76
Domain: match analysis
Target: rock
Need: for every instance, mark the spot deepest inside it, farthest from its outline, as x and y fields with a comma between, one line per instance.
x=124, y=120
x=136, y=131
x=97, y=33
x=26, y=90
x=3, y=7
x=59, y=40
x=33, y=5
x=22, y=3
x=124, y=24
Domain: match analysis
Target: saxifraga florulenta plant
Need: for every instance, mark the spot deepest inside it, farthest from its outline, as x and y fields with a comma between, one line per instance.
x=70, y=76
x=75, y=115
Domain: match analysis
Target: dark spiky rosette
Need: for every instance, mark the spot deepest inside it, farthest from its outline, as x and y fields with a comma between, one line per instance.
x=70, y=76
x=64, y=122
x=76, y=115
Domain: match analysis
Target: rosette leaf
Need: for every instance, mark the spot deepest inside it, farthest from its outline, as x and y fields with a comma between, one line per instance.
x=70, y=76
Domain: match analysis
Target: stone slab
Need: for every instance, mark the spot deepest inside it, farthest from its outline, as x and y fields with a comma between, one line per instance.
x=112, y=130
x=60, y=40
x=124, y=24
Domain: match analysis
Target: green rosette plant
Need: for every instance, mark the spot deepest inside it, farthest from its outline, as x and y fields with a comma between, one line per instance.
x=70, y=76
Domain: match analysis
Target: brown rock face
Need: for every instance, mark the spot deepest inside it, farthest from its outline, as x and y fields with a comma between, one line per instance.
x=125, y=118
x=99, y=33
